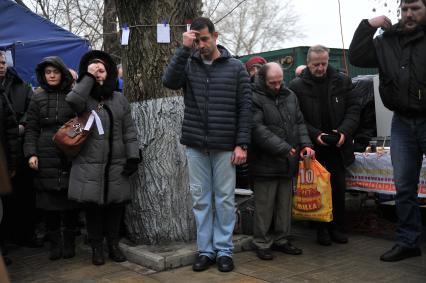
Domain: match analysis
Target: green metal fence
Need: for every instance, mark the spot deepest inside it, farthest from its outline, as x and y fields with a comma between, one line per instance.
x=290, y=58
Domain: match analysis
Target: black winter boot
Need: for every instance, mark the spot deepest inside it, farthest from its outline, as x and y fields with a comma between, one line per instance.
x=115, y=252
x=55, y=248
x=69, y=243
x=98, y=253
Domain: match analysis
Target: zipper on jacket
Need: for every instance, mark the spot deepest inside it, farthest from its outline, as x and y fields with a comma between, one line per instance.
x=206, y=106
x=57, y=106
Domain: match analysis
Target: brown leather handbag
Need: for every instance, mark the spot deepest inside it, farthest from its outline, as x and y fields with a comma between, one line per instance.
x=71, y=136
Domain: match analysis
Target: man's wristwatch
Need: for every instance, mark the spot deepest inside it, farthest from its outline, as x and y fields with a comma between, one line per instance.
x=243, y=146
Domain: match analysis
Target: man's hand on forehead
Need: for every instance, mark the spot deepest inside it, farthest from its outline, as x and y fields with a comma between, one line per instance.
x=189, y=37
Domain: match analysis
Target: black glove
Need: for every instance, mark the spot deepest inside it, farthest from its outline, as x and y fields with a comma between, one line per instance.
x=131, y=167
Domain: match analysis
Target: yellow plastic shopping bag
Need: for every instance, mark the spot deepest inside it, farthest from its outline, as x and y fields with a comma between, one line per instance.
x=312, y=198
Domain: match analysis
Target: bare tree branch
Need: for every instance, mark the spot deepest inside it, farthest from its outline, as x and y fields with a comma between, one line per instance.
x=256, y=25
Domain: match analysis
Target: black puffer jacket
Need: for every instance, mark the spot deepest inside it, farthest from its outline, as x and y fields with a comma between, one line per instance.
x=278, y=126
x=343, y=104
x=15, y=96
x=47, y=112
x=217, y=99
x=401, y=61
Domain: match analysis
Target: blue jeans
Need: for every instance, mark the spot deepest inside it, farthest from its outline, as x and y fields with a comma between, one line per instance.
x=212, y=185
x=408, y=144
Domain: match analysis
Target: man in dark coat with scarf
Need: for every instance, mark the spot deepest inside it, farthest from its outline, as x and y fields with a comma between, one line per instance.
x=331, y=114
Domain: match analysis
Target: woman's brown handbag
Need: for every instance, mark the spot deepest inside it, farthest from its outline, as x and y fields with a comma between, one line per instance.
x=71, y=136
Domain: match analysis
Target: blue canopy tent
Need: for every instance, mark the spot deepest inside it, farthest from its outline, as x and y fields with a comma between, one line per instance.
x=31, y=38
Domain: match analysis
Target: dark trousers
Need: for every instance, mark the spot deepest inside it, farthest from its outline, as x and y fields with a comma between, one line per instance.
x=408, y=145
x=54, y=218
x=104, y=221
x=20, y=213
x=332, y=160
x=272, y=216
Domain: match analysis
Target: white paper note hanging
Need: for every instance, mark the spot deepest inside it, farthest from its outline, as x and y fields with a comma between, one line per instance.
x=125, y=35
x=163, y=33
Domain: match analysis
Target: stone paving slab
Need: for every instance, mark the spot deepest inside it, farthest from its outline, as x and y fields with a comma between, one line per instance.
x=357, y=261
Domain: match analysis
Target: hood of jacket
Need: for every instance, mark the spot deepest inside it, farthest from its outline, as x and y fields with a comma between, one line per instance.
x=66, y=79
x=224, y=54
x=110, y=84
x=12, y=75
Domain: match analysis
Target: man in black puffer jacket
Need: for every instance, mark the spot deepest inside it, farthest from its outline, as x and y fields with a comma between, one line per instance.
x=400, y=55
x=279, y=135
x=216, y=131
x=331, y=114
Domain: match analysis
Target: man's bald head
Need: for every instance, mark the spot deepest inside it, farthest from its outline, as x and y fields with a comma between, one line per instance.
x=274, y=76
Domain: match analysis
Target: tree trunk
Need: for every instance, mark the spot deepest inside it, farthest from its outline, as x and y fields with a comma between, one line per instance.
x=111, y=39
x=160, y=210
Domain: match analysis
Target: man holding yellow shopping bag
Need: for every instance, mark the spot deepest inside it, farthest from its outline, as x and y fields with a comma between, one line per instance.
x=279, y=136
x=331, y=112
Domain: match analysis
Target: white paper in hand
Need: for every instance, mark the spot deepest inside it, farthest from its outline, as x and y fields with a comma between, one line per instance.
x=125, y=36
x=163, y=33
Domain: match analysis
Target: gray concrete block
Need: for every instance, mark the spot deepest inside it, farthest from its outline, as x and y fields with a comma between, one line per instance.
x=163, y=257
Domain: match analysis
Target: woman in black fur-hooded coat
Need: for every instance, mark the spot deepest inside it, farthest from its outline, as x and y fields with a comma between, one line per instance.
x=100, y=173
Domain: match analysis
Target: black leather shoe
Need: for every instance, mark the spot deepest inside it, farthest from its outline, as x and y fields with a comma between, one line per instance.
x=287, y=248
x=323, y=237
x=399, y=253
x=225, y=264
x=98, y=254
x=265, y=254
x=338, y=237
x=115, y=253
x=202, y=263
